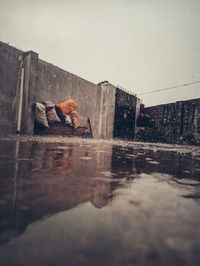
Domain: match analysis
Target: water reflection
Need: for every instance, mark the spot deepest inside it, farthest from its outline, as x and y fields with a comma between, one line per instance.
x=42, y=179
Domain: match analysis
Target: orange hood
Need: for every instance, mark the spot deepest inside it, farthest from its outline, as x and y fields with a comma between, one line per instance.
x=67, y=106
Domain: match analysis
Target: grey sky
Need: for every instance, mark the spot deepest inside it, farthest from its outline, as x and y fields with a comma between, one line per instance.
x=141, y=45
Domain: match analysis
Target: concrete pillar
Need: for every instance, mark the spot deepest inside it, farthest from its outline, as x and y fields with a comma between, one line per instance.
x=30, y=73
x=107, y=111
x=197, y=124
x=137, y=113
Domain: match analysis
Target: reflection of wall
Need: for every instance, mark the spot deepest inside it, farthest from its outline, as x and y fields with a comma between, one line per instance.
x=168, y=162
x=126, y=162
x=41, y=179
x=122, y=161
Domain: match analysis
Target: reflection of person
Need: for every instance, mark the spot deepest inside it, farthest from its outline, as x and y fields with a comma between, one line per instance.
x=65, y=108
x=101, y=194
x=64, y=162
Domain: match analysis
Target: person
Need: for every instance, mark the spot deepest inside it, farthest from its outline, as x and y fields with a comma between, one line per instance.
x=65, y=108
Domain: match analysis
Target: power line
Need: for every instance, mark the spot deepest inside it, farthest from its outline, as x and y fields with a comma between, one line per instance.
x=169, y=88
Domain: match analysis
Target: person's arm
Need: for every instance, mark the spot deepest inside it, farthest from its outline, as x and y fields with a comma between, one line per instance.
x=75, y=119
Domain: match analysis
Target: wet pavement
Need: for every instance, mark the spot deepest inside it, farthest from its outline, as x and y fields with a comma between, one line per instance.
x=89, y=202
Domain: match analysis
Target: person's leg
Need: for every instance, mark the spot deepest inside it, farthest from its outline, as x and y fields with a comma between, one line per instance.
x=60, y=115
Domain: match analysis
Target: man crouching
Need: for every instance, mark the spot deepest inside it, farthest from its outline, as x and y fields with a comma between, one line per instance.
x=65, y=108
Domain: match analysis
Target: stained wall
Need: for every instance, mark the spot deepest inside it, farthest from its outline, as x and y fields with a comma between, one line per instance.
x=179, y=122
x=43, y=81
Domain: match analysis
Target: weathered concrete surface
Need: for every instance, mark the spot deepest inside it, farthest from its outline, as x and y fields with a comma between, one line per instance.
x=97, y=202
x=10, y=63
x=107, y=111
x=30, y=63
x=43, y=81
x=177, y=122
x=191, y=120
x=55, y=84
x=125, y=115
x=50, y=83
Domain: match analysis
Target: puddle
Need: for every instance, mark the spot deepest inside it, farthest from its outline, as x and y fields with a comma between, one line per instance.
x=98, y=203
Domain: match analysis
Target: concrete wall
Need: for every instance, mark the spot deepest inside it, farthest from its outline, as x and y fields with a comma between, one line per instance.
x=44, y=81
x=107, y=110
x=54, y=84
x=126, y=109
x=10, y=64
x=191, y=119
x=179, y=121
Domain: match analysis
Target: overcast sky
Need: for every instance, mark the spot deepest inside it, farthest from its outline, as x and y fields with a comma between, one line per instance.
x=141, y=45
